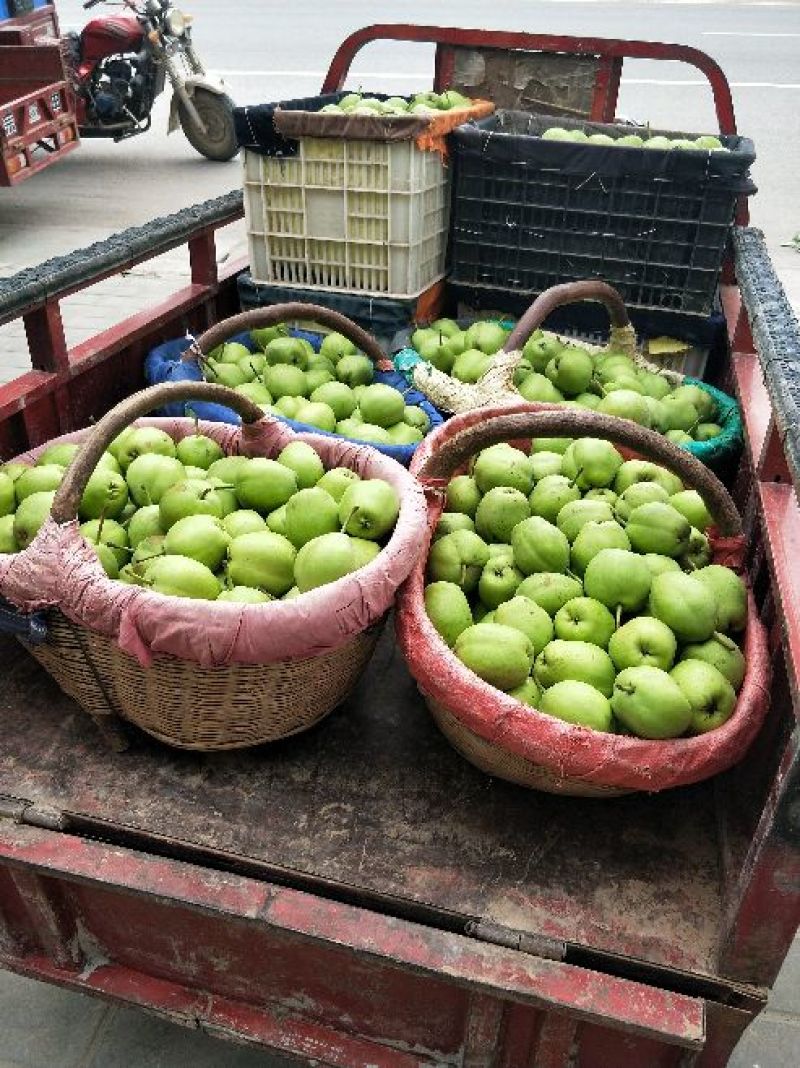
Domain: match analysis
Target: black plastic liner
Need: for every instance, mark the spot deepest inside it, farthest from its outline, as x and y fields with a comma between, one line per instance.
x=776, y=333
x=255, y=127
x=515, y=137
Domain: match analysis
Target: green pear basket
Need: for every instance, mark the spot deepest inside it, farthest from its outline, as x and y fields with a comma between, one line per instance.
x=499, y=723
x=511, y=378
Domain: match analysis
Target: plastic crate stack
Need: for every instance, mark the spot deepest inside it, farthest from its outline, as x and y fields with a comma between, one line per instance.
x=529, y=212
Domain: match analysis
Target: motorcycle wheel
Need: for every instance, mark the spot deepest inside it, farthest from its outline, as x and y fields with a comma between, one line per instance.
x=216, y=111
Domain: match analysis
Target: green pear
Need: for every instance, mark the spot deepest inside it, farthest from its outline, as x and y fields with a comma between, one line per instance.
x=179, y=576
x=144, y=523
x=691, y=505
x=150, y=475
x=448, y=609
x=265, y=485
x=601, y=493
x=242, y=521
x=8, y=543
x=539, y=546
x=681, y=413
x=678, y=437
x=287, y=351
x=550, y=590
x=310, y=513
x=148, y=549
x=585, y=620
x=450, y=521
x=658, y=564
x=698, y=552
x=191, y=497
x=528, y=693
x=702, y=401
x=40, y=479
x=643, y=640
x=707, y=431
x=499, y=581
x=335, y=481
x=463, y=495
x=579, y=703
x=559, y=445
x=577, y=660
x=638, y=493
x=588, y=400
x=471, y=365
x=503, y=465
x=317, y=415
x=574, y=516
x=655, y=385
x=625, y=404
x=525, y=615
x=540, y=350
x=244, y=595
x=276, y=520
x=499, y=512
x=15, y=468
x=324, y=559
x=8, y=500
x=650, y=703
x=105, y=494
x=262, y=560
x=537, y=388
x=30, y=515
x=633, y=471
x=487, y=336
x=545, y=463
x=288, y=406
x=229, y=352
x=369, y=509
x=499, y=655
x=594, y=538
x=618, y=579
x=730, y=595
x=711, y=696
x=111, y=534
x=687, y=606
x=570, y=370
x=61, y=454
x=550, y=494
x=382, y=405
x=591, y=462
x=200, y=537
x=460, y=558
x=657, y=527
x=722, y=653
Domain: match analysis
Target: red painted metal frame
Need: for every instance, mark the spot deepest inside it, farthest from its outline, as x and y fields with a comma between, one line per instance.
x=44, y=133
x=343, y=985
x=611, y=53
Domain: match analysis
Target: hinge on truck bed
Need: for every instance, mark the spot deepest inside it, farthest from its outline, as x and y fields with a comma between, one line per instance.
x=535, y=944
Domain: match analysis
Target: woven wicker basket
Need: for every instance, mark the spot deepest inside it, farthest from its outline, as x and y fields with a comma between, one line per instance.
x=507, y=739
x=182, y=702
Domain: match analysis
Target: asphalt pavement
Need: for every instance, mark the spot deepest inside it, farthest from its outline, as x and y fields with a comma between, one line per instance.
x=269, y=51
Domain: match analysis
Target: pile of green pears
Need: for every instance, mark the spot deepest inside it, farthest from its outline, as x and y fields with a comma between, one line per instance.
x=705, y=143
x=553, y=372
x=184, y=519
x=581, y=584
x=419, y=104
x=331, y=389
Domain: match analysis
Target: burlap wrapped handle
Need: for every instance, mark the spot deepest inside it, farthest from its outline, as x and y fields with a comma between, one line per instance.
x=551, y=422
x=622, y=332
x=68, y=496
x=279, y=313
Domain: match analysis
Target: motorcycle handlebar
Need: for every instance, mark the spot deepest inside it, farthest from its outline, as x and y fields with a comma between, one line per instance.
x=90, y=3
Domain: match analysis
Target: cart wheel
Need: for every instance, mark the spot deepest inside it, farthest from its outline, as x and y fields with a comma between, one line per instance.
x=216, y=111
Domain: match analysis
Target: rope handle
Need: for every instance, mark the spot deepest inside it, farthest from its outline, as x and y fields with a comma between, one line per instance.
x=569, y=293
x=530, y=421
x=69, y=493
x=278, y=313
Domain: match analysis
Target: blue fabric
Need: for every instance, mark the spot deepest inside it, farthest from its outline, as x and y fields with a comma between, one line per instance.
x=164, y=364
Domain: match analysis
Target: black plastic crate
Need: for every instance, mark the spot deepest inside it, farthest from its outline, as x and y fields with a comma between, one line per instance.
x=529, y=213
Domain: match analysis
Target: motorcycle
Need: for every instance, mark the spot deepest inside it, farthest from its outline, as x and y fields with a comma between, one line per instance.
x=120, y=64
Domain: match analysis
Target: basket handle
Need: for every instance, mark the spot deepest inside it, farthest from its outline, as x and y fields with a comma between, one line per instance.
x=69, y=493
x=278, y=313
x=568, y=293
x=530, y=421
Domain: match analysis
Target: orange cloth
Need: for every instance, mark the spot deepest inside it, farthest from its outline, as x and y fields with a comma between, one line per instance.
x=433, y=139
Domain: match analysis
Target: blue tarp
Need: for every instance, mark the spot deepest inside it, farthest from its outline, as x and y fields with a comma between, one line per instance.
x=164, y=364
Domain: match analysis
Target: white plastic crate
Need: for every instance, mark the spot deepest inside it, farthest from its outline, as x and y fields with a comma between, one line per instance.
x=362, y=216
